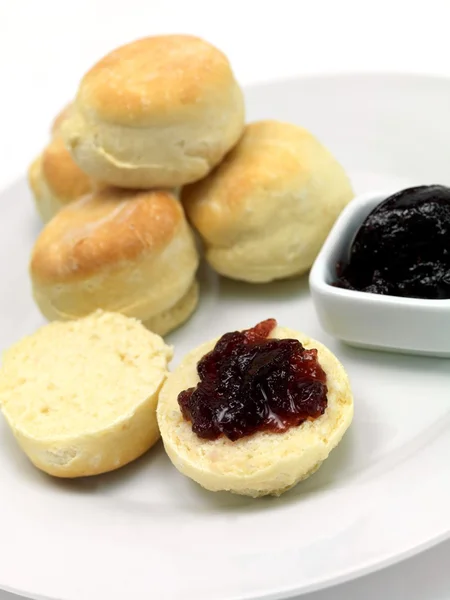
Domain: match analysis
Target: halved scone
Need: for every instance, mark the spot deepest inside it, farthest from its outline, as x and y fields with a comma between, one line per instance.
x=264, y=462
x=80, y=396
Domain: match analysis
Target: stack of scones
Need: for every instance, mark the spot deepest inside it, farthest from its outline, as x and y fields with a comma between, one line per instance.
x=154, y=144
x=151, y=161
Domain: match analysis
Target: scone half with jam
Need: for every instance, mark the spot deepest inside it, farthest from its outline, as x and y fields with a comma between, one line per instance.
x=255, y=411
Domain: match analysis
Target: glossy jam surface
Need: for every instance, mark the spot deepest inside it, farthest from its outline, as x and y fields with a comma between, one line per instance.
x=250, y=382
x=403, y=247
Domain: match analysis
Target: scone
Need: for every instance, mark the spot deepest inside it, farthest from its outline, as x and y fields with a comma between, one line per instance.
x=56, y=180
x=159, y=112
x=266, y=210
x=60, y=118
x=243, y=442
x=118, y=250
x=80, y=397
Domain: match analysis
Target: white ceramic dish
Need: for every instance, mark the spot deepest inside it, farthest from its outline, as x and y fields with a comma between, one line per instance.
x=370, y=320
x=383, y=495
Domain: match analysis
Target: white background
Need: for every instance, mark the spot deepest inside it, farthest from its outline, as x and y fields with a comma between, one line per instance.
x=45, y=46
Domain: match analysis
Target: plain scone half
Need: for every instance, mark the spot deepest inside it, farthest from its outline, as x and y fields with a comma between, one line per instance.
x=264, y=463
x=80, y=396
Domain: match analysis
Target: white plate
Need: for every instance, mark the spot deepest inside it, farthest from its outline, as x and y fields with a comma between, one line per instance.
x=384, y=493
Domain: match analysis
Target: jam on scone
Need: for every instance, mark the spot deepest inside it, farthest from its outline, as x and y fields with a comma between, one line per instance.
x=250, y=382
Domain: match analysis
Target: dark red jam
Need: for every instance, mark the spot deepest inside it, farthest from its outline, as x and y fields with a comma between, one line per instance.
x=250, y=382
x=403, y=247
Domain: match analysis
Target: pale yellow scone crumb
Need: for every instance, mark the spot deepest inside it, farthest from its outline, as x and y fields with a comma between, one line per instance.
x=263, y=463
x=80, y=396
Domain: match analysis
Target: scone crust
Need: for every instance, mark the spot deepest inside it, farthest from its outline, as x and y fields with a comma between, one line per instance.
x=264, y=463
x=62, y=175
x=160, y=77
x=55, y=180
x=120, y=251
x=54, y=177
x=103, y=229
x=60, y=118
x=168, y=320
x=159, y=112
x=265, y=211
x=265, y=160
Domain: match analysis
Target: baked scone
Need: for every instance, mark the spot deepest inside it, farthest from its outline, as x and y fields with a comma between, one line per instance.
x=264, y=462
x=60, y=118
x=80, y=397
x=56, y=180
x=119, y=250
x=159, y=112
x=266, y=210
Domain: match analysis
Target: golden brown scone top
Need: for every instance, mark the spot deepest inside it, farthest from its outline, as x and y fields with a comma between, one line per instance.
x=152, y=77
x=270, y=156
x=102, y=230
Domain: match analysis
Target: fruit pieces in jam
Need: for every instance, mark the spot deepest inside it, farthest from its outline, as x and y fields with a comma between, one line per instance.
x=250, y=382
x=403, y=247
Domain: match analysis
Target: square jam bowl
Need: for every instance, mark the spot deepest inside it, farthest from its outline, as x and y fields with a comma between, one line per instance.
x=407, y=325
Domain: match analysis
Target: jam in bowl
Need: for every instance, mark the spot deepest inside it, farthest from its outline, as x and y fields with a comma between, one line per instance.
x=381, y=279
